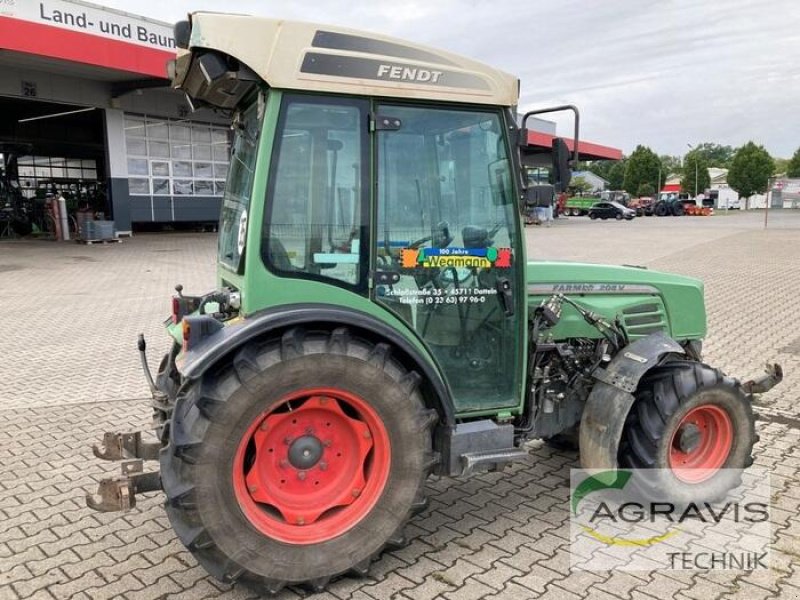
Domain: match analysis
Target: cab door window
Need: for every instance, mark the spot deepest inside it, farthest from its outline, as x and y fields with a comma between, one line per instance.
x=316, y=213
x=444, y=245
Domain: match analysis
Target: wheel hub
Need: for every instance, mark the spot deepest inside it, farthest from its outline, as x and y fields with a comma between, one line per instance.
x=310, y=468
x=687, y=438
x=701, y=443
x=305, y=452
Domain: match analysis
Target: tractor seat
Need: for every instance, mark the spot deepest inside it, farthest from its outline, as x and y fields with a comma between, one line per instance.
x=475, y=237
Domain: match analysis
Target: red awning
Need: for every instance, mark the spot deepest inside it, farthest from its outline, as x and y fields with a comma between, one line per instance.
x=587, y=150
x=56, y=42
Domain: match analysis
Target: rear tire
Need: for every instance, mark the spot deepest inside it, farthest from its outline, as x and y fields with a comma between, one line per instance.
x=693, y=424
x=592, y=216
x=678, y=210
x=241, y=436
x=168, y=382
x=660, y=210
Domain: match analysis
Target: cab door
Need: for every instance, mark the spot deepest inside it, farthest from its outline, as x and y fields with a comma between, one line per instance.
x=446, y=242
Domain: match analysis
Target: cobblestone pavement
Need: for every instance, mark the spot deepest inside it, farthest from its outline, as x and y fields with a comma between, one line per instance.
x=69, y=372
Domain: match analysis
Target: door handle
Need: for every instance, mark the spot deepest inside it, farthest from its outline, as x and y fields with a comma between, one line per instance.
x=505, y=295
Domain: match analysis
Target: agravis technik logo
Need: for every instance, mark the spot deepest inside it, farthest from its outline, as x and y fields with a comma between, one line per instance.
x=620, y=520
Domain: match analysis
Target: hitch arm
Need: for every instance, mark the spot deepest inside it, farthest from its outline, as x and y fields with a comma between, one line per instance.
x=773, y=376
x=119, y=493
x=119, y=446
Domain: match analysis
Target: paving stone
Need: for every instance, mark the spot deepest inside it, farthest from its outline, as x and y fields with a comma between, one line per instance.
x=428, y=590
x=471, y=589
x=536, y=578
x=391, y=585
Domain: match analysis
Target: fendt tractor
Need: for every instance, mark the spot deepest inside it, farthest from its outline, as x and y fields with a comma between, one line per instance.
x=377, y=321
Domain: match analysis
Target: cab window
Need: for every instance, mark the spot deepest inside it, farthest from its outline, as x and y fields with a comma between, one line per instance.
x=316, y=213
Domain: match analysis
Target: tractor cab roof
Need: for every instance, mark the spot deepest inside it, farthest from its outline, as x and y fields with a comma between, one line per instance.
x=304, y=56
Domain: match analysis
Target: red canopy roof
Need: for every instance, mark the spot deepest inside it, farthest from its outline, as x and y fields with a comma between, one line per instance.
x=56, y=42
x=587, y=150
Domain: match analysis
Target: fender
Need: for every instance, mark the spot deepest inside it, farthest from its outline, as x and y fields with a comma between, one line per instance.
x=226, y=340
x=611, y=398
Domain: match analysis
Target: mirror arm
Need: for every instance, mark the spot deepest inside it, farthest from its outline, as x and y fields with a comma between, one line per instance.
x=563, y=107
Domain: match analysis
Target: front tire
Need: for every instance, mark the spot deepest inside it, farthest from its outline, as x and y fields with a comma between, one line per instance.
x=695, y=426
x=299, y=461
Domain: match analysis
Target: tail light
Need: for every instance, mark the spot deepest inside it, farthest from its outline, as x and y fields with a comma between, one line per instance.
x=187, y=332
x=176, y=310
x=196, y=328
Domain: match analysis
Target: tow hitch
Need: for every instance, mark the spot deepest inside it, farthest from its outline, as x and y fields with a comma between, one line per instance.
x=119, y=493
x=758, y=385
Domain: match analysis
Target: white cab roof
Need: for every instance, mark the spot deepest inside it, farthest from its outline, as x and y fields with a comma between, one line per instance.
x=305, y=56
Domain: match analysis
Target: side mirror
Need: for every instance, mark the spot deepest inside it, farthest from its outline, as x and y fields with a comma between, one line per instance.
x=561, y=167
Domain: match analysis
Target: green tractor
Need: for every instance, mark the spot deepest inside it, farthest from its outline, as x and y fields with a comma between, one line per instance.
x=376, y=319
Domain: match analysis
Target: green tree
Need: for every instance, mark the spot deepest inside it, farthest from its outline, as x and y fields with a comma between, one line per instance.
x=781, y=165
x=793, y=168
x=646, y=190
x=616, y=175
x=673, y=165
x=695, y=163
x=716, y=155
x=599, y=167
x=750, y=170
x=579, y=186
x=643, y=166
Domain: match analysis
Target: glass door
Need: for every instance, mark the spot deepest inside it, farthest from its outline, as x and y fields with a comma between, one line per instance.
x=445, y=240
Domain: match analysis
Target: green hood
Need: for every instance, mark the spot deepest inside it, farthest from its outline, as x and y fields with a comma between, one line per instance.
x=641, y=295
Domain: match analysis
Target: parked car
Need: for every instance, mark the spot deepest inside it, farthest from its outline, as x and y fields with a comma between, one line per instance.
x=611, y=210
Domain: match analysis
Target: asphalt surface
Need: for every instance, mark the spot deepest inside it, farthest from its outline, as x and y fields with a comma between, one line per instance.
x=69, y=372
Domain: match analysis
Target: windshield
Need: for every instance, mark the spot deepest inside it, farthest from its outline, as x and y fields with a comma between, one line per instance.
x=238, y=189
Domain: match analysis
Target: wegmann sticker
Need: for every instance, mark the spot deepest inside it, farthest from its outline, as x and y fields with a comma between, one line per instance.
x=460, y=258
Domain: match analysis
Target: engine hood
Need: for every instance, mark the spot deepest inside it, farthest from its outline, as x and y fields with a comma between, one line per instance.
x=682, y=296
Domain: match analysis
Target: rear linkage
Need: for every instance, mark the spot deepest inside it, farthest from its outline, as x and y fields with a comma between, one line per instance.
x=119, y=493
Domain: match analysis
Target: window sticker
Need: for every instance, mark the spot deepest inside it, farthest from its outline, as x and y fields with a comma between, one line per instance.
x=439, y=258
x=242, y=232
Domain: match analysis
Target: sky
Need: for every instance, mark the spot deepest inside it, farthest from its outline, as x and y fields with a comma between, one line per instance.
x=663, y=73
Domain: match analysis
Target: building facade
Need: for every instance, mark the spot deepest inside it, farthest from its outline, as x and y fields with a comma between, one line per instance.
x=85, y=104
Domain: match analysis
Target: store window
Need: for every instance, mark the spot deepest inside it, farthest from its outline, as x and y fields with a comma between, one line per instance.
x=175, y=158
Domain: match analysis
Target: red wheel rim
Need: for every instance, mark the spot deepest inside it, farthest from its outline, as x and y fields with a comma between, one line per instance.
x=701, y=443
x=312, y=467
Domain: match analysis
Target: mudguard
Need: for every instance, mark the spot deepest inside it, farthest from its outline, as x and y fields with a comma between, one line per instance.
x=225, y=341
x=612, y=397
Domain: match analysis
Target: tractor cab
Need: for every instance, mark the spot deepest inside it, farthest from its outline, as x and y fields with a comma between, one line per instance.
x=375, y=176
